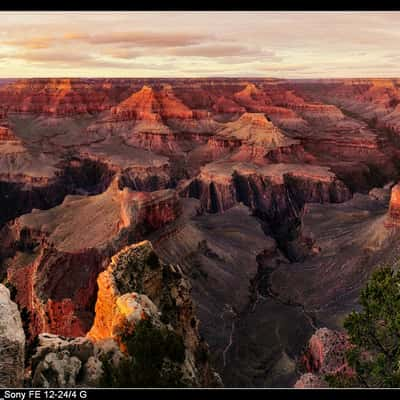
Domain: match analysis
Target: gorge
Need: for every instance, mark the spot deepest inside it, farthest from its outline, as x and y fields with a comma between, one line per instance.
x=244, y=215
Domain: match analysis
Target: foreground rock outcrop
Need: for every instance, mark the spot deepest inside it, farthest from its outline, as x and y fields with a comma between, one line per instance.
x=12, y=342
x=70, y=362
x=325, y=356
x=136, y=286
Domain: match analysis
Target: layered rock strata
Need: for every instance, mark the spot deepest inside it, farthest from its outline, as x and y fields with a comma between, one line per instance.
x=54, y=256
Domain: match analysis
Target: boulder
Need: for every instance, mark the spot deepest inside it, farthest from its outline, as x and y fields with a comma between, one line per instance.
x=12, y=342
x=309, y=380
x=57, y=370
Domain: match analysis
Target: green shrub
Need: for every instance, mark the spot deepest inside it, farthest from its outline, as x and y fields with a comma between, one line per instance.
x=153, y=261
x=155, y=356
x=374, y=334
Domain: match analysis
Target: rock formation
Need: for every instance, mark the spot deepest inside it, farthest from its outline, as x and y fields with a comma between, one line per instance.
x=70, y=362
x=55, y=264
x=254, y=131
x=59, y=97
x=136, y=285
x=394, y=207
x=325, y=356
x=12, y=343
x=220, y=185
x=148, y=104
x=254, y=99
x=309, y=381
x=326, y=352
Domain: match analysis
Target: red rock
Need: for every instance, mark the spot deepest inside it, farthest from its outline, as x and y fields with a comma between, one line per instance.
x=151, y=105
x=227, y=106
x=138, y=285
x=171, y=106
x=60, y=97
x=393, y=218
x=7, y=135
x=286, y=118
x=271, y=145
x=57, y=281
x=141, y=105
x=373, y=99
x=326, y=354
x=253, y=99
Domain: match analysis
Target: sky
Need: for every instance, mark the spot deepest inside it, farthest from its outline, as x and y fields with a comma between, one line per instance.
x=200, y=44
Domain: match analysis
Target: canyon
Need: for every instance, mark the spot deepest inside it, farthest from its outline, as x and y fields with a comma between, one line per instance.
x=264, y=205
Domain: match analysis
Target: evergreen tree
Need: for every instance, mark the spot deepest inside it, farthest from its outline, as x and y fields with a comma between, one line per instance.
x=374, y=334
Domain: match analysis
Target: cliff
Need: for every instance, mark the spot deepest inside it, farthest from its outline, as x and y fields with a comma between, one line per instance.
x=221, y=184
x=54, y=256
x=393, y=218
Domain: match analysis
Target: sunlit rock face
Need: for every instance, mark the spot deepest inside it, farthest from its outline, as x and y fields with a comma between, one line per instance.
x=150, y=105
x=135, y=286
x=59, y=97
x=394, y=207
x=138, y=285
x=118, y=300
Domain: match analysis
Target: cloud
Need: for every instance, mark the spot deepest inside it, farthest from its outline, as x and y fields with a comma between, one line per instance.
x=286, y=68
x=70, y=60
x=31, y=43
x=141, y=38
x=53, y=56
x=199, y=43
x=123, y=53
x=74, y=36
x=220, y=50
x=393, y=57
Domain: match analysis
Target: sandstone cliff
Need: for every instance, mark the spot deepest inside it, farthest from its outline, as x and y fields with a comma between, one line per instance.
x=393, y=218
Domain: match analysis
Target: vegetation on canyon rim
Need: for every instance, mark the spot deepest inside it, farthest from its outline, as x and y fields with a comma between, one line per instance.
x=155, y=356
x=374, y=334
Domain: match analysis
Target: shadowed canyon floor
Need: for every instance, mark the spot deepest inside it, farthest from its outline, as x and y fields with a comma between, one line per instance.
x=275, y=198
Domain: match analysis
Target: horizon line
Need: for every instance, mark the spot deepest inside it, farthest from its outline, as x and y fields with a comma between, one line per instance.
x=200, y=77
